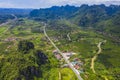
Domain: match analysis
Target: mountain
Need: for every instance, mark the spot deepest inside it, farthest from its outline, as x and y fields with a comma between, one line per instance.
x=89, y=15
x=103, y=19
x=84, y=15
x=6, y=11
x=112, y=2
x=54, y=12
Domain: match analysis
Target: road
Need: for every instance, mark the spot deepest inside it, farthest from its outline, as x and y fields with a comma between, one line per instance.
x=15, y=18
x=96, y=55
x=59, y=76
x=64, y=57
x=68, y=35
x=4, y=24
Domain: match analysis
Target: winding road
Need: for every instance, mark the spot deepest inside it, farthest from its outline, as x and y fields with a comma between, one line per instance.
x=66, y=60
x=68, y=35
x=96, y=55
x=15, y=18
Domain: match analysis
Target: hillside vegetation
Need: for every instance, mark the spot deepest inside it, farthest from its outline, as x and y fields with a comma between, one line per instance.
x=99, y=17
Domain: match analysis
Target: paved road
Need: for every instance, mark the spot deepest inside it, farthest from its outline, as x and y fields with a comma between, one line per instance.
x=66, y=60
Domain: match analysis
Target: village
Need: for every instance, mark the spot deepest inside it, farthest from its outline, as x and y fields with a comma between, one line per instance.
x=76, y=62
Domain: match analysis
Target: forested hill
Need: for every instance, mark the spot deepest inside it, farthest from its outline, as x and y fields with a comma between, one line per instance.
x=54, y=12
x=7, y=11
x=87, y=16
x=104, y=19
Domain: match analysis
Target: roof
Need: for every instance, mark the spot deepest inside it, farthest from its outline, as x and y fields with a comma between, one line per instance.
x=76, y=66
x=58, y=56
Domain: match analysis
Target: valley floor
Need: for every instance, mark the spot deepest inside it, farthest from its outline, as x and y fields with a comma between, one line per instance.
x=101, y=62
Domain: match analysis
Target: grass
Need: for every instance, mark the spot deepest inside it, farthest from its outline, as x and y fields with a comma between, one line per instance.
x=2, y=29
x=67, y=74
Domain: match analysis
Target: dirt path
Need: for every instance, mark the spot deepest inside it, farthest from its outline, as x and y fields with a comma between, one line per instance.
x=68, y=35
x=96, y=55
x=105, y=77
x=59, y=76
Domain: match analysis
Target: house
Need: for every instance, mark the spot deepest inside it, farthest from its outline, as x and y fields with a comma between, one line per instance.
x=77, y=63
x=10, y=39
x=55, y=51
x=77, y=67
x=57, y=55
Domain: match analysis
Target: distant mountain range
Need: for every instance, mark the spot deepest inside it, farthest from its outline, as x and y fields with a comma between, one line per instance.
x=6, y=11
x=100, y=17
x=112, y=2
x=104, y=19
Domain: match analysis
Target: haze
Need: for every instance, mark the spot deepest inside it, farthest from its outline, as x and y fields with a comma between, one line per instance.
x=49, y=3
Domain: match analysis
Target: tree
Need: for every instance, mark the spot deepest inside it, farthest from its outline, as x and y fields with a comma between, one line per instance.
x=41, y=57
x=24, y=46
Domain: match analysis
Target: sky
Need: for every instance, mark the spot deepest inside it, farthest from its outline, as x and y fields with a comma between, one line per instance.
x=49, y=3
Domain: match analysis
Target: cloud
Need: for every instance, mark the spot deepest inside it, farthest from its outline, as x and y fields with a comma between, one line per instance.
x=6, y=5
x=49, y=3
